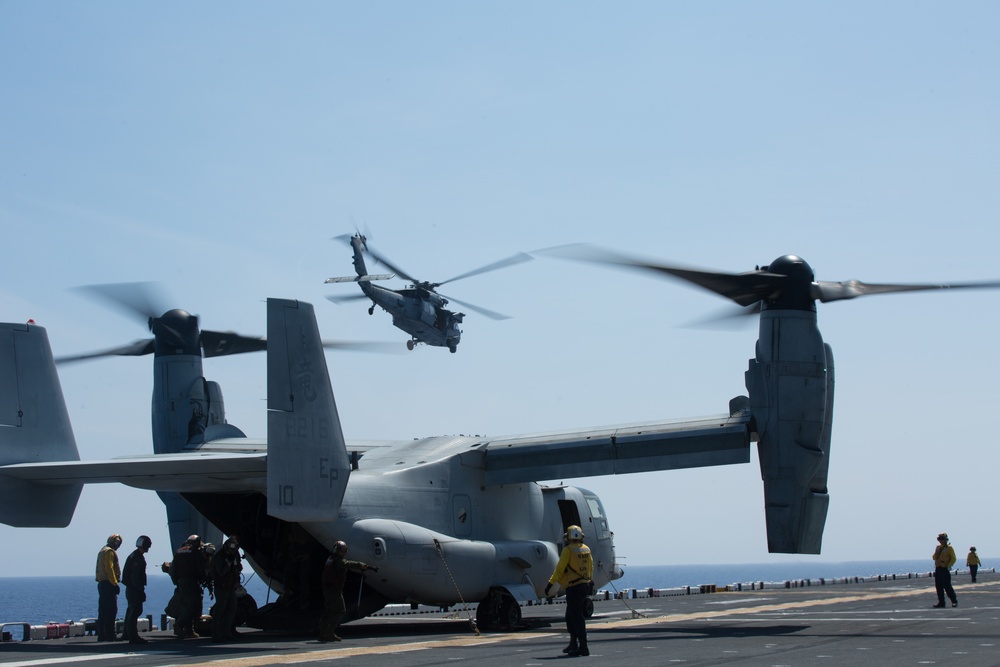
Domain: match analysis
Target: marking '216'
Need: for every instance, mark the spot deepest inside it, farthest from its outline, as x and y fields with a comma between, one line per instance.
x=307, y=427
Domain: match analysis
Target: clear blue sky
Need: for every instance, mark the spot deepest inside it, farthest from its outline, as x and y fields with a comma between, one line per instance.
x=217, y=147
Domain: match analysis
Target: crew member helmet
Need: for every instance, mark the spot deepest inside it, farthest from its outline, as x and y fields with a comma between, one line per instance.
x=143, y=542
x=943, y=536
x=193, y=540
x=340, y=548
x=574, y=534
x=114, y=540
x=231, y=543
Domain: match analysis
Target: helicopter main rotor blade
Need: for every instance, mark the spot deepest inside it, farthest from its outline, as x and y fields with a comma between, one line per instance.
x=136, y=349
x=825, y=291
x=346, y=297
x=384, y=260
x=363, y=346
x=517, y=258
x=142, y=300
x=479, y=309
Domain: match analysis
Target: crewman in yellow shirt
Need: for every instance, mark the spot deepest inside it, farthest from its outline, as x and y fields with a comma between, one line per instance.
x=944, y=558
x=108, y=577
x=574, y=573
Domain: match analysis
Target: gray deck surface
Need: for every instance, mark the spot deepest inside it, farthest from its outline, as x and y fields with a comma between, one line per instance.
x=886, y=623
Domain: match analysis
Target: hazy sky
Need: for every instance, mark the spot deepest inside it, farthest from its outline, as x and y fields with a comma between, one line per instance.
x=217, y=147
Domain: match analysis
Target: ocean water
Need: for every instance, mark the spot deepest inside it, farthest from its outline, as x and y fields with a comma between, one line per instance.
x=39, y=600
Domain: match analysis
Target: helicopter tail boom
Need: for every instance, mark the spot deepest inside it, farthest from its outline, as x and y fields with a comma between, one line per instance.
x=34, y=428
x=307, y=461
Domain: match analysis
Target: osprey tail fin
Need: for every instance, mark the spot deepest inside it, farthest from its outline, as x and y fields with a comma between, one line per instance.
x=307, y=460
x=34, y=428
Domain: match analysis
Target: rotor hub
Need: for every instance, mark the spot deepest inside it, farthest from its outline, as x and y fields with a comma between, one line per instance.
x=796, y=293
x=176, y=332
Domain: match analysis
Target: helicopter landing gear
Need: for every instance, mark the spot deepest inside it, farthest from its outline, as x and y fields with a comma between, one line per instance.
x=499, y=610
x=453, y=349
x=409, y=345
x=371, y=310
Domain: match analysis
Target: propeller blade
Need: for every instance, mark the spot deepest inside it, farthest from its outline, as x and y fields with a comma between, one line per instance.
x=730, y=319
x=826, y=291
x=142, y=300
x=745, y=289
x=517, y=258
x=136, y=349
x=224, y=343
x=479, y=309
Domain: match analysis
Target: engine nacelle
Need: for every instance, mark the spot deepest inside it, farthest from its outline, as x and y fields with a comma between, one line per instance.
x=793, y=369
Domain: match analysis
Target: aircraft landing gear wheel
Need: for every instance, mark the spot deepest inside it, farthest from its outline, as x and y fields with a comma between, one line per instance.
x=453, y=349
x=498, y=610
x=510, y=612
x=371, y=311
x=409, y=345
x=588, y=609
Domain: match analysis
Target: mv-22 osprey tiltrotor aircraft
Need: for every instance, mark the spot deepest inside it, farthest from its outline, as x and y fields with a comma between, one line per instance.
x=446, y=519
x=419, y=310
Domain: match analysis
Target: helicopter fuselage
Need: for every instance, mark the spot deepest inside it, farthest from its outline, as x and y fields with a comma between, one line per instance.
x=420, y=313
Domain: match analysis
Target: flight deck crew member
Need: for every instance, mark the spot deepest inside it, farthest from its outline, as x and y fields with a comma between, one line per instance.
x=134, y=578
x=108, y=576
x=226, y=567
x=944, y=558
x=574, y=573
x=972, y=562
x=334, y=575
x=188, y=571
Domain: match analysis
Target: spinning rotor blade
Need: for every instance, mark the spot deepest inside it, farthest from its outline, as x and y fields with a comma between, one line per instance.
x=395, y=269
x=517, y=258
x=136, y=349
x=223, y=343
x=146, y=301
x=729, y=319
x=363, y=346
x=788, y=279
x=347, y=297
x=827, y=291
x=479, y=309
x=743, y=288
x=142, y=300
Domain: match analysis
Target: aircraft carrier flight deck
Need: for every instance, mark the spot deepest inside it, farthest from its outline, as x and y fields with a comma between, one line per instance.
x=889, y=622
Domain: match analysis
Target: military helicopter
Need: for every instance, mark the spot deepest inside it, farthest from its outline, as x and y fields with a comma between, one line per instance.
x=447, y=519
x=419, y=310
